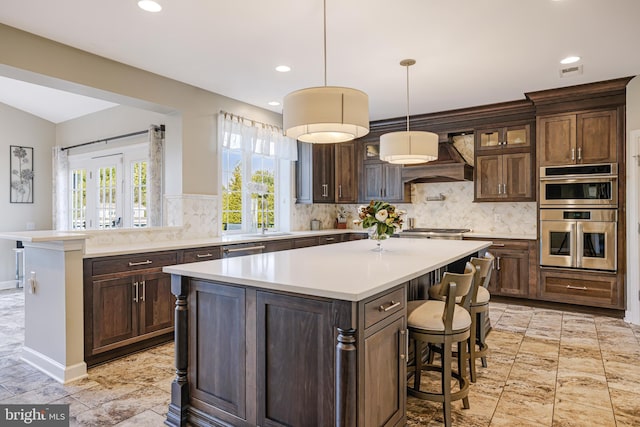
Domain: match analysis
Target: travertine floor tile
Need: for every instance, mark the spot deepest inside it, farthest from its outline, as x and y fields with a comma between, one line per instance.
x=572, y=414
x=583, y=388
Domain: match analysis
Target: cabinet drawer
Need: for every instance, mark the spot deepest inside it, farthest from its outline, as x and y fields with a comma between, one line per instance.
x=110, y=265
x=201, y=254
x=305, y=242
x=384, y=306
x=324, y=240
x=518, y=245
x=592, y=289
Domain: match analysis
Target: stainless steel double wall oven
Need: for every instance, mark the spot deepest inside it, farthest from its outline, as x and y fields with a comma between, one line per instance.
x=579, y=216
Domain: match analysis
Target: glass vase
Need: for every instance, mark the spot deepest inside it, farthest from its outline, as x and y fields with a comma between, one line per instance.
x=374, y=234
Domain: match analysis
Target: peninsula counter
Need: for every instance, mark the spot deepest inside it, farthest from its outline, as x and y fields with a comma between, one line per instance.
x=313, y=336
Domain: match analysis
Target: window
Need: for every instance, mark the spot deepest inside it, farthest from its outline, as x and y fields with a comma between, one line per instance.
x=108, y=189
x=255, y=173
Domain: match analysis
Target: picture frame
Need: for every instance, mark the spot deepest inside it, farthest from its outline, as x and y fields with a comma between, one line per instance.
x=20, y=174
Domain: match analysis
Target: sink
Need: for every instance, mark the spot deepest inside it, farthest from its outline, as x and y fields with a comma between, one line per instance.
x=268, y=234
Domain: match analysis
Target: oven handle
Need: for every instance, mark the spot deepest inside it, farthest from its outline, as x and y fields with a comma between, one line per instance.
x=575, y=178
x=579, y=229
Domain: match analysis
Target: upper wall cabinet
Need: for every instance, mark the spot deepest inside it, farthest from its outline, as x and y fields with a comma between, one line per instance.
x=505, y=137
x=326, y=173
x=581, y=138
x=380, y=180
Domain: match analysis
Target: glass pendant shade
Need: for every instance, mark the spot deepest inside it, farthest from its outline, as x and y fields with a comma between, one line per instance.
x=326, y=114
x=409, y=147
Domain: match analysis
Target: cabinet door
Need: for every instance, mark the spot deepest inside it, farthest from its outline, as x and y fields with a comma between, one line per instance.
x=323, y=173
x=517, y=136
x=373, y=183
x=596, y=136
x=299, y=393
x=156, y=303
x=557, y=140
x=488, y=177
x=278, y=245
x=511, y=273
x=346, y=189
x=488, y=139
x=304, y=173
x=385, y=375
x=517, y=176
x=115, y=311
x=393, y=189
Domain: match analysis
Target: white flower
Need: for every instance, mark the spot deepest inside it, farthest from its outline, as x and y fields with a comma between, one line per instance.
x=382, y=215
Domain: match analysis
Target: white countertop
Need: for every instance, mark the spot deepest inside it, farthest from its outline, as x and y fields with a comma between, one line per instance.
x=346, y=271
x=41, y=236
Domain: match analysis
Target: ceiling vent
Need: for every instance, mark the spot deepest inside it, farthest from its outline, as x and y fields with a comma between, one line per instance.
x=574, y=70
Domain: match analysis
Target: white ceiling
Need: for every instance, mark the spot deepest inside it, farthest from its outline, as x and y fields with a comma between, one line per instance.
x=468, y=52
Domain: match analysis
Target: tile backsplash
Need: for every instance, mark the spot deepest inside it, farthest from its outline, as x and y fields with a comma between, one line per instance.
x=457, y=210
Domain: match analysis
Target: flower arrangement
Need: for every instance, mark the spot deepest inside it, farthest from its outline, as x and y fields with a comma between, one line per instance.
x=381, y=217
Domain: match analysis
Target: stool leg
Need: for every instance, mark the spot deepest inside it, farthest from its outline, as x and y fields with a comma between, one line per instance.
x=446, y=380
x=472, y=352
x=482, y=335
x=418, y=362
x=462, y=369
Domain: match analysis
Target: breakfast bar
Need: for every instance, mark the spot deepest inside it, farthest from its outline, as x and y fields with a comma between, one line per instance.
x=313, y=336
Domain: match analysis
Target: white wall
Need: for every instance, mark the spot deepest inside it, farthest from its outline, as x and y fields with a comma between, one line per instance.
x=23, y=129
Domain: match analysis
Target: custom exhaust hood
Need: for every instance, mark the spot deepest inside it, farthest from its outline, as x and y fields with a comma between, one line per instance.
x=450, y=166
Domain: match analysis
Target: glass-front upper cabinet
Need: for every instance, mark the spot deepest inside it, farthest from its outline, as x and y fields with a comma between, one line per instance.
x=505, y=137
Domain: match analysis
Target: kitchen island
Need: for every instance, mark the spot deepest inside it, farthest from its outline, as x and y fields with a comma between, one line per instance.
x=313, y=336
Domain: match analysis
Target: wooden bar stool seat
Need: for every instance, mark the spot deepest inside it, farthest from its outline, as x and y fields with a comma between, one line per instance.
x=441, y=323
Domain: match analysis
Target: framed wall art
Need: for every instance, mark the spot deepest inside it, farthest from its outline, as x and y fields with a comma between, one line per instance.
x=21, y=174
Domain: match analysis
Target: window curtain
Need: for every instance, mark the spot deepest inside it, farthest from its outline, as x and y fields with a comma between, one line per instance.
x=155, y=175
x=60, y=186
x=238, y=133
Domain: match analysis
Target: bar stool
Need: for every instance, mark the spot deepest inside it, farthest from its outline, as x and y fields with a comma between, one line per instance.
x=479, y=309
x=441, y=323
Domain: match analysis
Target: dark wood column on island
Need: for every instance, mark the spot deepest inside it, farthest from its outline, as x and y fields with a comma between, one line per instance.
x=305, y=337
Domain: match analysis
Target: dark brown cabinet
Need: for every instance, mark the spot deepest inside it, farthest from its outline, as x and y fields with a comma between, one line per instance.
x=380, y=180
x=326, y=173
x=503, y=164
x=503, y=177
x=595, y=289
x=200, y=254
x=512, y=269
x=128, y=304
x=581, y=138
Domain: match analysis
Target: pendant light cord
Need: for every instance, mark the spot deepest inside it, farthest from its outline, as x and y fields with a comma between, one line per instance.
x=324, y=22
x=407, y=97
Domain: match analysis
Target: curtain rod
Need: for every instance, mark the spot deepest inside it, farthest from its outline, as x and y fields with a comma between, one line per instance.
x=253, y=122
x=112, y=138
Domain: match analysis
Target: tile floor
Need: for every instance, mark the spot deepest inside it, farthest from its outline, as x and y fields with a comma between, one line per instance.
x=545, y=368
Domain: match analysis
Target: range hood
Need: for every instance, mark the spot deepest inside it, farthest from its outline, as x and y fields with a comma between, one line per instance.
x=449, y=167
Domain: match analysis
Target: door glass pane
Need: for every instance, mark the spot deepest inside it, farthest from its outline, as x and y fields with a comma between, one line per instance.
x=516, y=136
x=78, y=199
x=594, y=245
x=262, y=190
x=231, y=190
x=107, y=188
x=489, y=139
x=139, y=194
x=579, y=191
x=560, y=243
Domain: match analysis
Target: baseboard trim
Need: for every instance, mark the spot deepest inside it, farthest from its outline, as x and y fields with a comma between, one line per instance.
x=61, y=373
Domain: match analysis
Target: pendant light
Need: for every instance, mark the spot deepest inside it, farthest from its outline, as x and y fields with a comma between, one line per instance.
x=407, y=147
x=326, y=114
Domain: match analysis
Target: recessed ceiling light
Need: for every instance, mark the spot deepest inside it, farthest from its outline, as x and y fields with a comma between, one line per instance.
x=283, y=68
x=570, y=60
x=149, y=6
x=274, y=103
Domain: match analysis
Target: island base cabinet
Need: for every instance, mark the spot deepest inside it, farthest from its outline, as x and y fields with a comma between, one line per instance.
x=247, y=357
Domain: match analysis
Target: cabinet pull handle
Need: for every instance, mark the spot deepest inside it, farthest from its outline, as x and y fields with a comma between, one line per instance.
x=579, y=153
x=340, y=191
x=207, y=255
x=393, y=304
x=578, y=288
x=135, y=295
x=144, y=290
x=504, y=188
x=250, y=248
x=573, y=154
x=147, y=262
x=497, y=263
x=499, y=188
x=497, y=245
x=329, y=239
x=403, y=344
x=381, y=192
